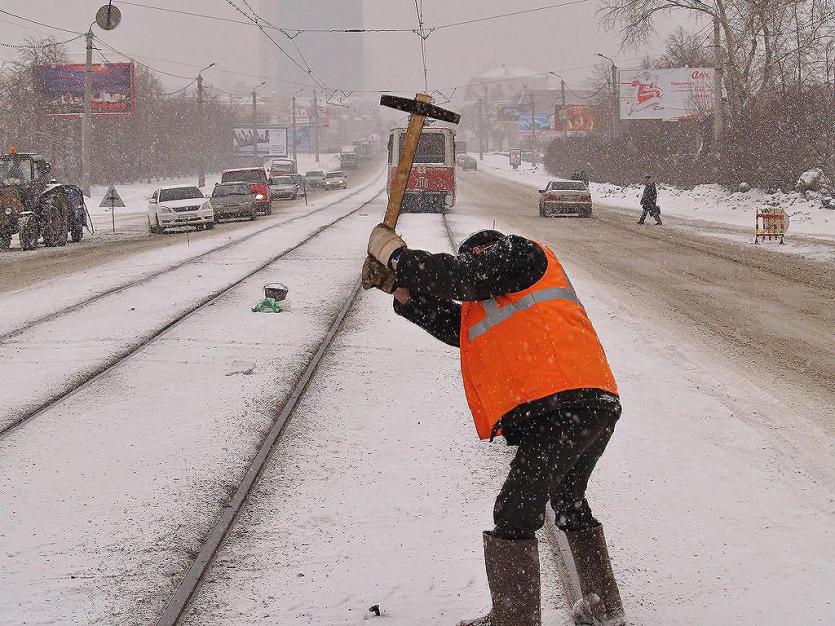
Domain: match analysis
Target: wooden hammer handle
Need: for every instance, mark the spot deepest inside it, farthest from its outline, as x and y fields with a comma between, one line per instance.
x=404, y=165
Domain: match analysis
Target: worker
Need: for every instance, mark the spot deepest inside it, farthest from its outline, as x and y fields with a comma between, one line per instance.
x=649, y=202
x=534, y=371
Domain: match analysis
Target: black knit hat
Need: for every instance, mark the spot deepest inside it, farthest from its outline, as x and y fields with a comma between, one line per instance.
x=479, y=239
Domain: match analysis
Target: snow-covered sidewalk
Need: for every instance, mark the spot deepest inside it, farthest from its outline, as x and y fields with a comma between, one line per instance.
x=711, y=209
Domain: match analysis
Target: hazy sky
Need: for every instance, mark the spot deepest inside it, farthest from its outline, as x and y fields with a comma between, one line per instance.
x=556, y=40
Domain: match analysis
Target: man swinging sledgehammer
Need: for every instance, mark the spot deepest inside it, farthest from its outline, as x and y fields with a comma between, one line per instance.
x=535, y=372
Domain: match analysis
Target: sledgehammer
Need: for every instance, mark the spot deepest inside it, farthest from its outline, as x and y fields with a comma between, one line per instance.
x=419, y=109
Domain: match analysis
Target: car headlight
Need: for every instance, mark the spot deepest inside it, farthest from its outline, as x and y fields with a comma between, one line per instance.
x=8, y=211
x=164, y=209
x=259, y=196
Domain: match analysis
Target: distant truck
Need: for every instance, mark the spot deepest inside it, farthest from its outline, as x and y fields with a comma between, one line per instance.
x=282, y=167
x=348, y=157
x=363, y=150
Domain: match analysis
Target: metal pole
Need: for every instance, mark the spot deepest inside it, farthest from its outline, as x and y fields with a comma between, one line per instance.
x=718, y=112
x=564, y=111
x=533, y=129
x=295, y=134
x=615, y=102
x=254, y=128
x=201, y=148
x=481, y=129
x=87, y=121
x=487, y=109
x=315, y=124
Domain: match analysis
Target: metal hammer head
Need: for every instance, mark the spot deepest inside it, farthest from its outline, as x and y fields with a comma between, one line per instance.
x=418, y=107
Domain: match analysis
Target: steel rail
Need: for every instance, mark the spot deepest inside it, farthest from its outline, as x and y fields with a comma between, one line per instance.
x=175, y=266
x=133, y=348
x=178, y=604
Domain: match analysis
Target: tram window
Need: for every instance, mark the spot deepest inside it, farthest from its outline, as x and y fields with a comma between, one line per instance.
x=431, y=148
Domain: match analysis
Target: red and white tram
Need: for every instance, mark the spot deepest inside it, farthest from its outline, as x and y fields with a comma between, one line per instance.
x=431, y=186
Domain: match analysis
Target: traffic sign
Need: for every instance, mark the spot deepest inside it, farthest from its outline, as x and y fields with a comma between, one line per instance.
x=111, y=198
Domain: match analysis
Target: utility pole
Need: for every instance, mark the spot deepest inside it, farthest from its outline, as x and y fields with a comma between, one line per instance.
x=615, y=101
x=201, y=144
x=564, y=111
x=533, y=128
x=718, y=112
x=315, y=126
x=255, y=123
x=295, y=132
x=487, y=111
x=480, y=129
x=87, y=121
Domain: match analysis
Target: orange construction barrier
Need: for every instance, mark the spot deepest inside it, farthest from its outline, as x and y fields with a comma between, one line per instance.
x=771, y=223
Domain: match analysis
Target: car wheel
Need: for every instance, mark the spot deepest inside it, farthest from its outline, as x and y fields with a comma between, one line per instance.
x=77, y=233
x=586, y=213
x=210, y=225
x=253, y=215
x=5, y=240
x=269, y=210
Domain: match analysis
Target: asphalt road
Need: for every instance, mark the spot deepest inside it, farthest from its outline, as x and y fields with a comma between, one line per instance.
x=768, y=315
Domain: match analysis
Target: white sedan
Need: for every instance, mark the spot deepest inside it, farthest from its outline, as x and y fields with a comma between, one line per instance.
x=180, y=205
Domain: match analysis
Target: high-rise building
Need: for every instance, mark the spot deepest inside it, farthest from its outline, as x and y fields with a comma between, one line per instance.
x=336, y=59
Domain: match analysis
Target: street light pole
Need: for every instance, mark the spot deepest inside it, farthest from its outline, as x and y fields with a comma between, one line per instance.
x=201, y=145
x=315, y=125
x=564, y=120
x=486, y=105
x=615, y=96
x=533, y=125
x=87, y=121
x=255, y=123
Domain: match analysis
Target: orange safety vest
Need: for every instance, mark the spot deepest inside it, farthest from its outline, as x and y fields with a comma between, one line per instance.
x=528, y=345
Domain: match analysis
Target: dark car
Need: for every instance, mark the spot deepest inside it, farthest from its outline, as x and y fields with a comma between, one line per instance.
x=256, y=178
x=301, y=183
x=234, y=200
x=565, y=197
x=467, y=162
x=335, y=180
x=283, y=188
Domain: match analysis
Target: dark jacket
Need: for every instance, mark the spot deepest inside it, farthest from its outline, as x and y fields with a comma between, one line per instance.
x=437, y=282
x=650, y=196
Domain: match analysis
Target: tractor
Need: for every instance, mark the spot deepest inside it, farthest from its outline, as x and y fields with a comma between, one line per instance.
x=35, y=206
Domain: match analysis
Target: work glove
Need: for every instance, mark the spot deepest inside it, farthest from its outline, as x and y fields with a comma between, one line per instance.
x=384, y=242
x=375, y=274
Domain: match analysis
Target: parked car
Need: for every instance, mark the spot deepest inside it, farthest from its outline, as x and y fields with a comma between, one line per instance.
x=348, y=157
x=234, y=200
x=335, y=180
x=467, y=162
x=301, y=183
x=181, y=205
x=314, y=178
x=283, y=188
x=256, y=178
x=565, y=197
x=281, y=167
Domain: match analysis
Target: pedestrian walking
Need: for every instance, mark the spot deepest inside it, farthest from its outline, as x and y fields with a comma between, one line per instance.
x=535, y=372
x=649, y=202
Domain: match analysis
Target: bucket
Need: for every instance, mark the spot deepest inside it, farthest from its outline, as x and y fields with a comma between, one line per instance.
x=276, y=291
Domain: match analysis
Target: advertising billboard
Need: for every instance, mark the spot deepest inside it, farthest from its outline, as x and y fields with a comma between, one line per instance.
x=506, y=112
x=666, y=94
x=542, y=121
x=61, y=88
x=271, y=141
x=577, y=119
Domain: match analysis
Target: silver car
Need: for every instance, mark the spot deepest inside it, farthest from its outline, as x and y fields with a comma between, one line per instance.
x=283, y=188
x=565, y=197
x=314, y=178
x=234, y=200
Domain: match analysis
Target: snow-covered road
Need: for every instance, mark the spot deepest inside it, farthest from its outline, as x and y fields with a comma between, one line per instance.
x=716, y=490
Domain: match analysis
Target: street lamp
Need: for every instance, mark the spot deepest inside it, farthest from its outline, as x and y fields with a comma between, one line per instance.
x=615, y=101
x=255, y=122
x=564, y=120
x=201, y=148
x=533, y=125
x=295, y=129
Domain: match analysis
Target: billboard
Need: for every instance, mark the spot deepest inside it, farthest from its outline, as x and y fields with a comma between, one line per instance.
x=271, y=141
x=542, y=121
x=666, y=94
x=61, y=88
x=577, y=119
x=506, y=112
x=306, y=113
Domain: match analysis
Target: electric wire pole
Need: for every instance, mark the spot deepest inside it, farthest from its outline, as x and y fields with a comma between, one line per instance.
x=201, y=144
x=315, y=126
x=481, y=129
x=295, y=133
x=87, y=121
x=564, y=111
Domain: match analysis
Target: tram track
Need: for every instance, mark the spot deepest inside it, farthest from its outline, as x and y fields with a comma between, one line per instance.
x=81, y=380
x=174, y=267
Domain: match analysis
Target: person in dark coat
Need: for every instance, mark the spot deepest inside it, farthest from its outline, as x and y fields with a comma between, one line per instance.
x=560, y=437
x=649, y=202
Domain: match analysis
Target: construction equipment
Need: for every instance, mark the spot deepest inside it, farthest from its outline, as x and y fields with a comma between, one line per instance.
x=33, y=205
x=419, y=109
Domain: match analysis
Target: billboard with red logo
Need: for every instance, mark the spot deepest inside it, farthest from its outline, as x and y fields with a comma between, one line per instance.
x=666, y=94
x=61, y=88
x=577, y=119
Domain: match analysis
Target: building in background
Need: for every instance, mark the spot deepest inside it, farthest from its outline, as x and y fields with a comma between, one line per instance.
x=336, y=59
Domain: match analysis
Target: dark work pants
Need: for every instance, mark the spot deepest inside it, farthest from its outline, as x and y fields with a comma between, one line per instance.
x=654, y=211
x=554, y=462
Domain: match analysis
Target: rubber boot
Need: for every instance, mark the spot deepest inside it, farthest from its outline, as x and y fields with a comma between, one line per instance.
x=513, y=575
x=601, y=604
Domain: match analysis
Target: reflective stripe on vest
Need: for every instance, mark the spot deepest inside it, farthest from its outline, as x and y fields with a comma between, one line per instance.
x=495, y=315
